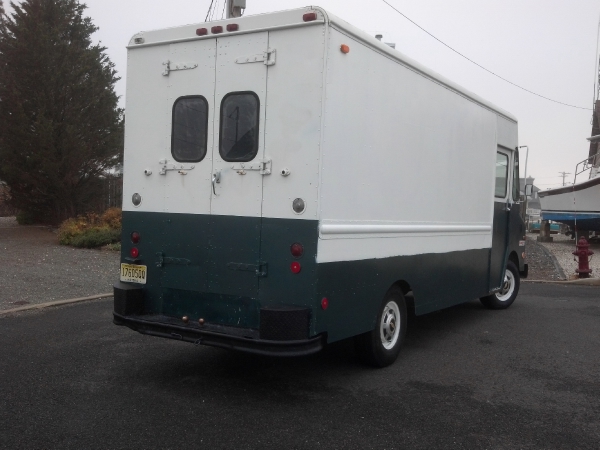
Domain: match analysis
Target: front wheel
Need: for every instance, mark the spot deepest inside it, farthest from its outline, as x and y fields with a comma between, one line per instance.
x=508, y=291
x=380, y=347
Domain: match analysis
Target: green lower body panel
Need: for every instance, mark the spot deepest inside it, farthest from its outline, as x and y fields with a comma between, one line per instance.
x=216, y=274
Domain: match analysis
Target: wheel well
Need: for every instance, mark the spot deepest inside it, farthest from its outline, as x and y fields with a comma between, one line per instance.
x=514, y=258
x=410, y=299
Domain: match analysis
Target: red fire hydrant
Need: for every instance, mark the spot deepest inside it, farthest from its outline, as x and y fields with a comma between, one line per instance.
x=583, y=252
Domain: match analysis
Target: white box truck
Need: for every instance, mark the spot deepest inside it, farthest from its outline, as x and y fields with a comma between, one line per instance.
x=291, y=181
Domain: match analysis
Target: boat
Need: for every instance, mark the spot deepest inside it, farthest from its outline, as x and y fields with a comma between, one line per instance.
x=578, y=205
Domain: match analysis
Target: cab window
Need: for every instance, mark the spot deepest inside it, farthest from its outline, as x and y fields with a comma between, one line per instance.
x=189, y=129
x=501, y=175
x=239, y=126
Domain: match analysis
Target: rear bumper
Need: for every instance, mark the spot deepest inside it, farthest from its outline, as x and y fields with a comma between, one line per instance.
x=162, y=326
x=284, y=331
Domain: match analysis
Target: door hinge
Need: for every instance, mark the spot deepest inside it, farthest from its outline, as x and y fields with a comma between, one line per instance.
x=181, y=168
x=267, y=58
x=171, y=67
x=263, y=167
x=260, y=269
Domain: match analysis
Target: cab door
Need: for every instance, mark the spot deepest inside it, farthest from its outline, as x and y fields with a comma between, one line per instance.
x=238, y=165
x=503, y=204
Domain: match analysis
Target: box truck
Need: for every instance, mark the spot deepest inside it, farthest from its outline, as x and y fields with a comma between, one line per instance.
x=291, y=181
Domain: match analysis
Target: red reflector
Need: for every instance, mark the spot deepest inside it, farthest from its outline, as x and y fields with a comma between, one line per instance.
x=295, y=267
x=233, y=27
x=201, y=31
x=324, y=304
x=297, y=250
x=134, y=252
x=217, y=29
x=309, y=17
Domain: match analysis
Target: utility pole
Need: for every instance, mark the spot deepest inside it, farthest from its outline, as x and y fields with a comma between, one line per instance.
x=564, y=174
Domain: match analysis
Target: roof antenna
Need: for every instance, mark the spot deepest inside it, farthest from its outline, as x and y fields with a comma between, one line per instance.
x=235, y=8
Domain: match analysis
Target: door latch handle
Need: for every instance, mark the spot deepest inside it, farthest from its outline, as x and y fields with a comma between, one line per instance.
x=216, y=179
x=508, y=206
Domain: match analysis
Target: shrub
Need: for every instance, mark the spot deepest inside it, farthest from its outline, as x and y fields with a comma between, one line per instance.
x=25, y=218
x=112, y=218
x=96, y=237
x=92, y=230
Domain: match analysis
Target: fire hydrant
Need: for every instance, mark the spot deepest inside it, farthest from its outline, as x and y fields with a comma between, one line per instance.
x=583, y=253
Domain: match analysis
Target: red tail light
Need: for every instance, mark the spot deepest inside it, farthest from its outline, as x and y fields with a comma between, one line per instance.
x=233, y=27
x=295, y=267
x=216, y=30
x=297, y=250
x=134, y=252
x=201, y=31
x=324, y=304
x=309, y=17
x=135, y=237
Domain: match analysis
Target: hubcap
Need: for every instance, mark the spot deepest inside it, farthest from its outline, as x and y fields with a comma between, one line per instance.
x=389, y=328
x=508, y=287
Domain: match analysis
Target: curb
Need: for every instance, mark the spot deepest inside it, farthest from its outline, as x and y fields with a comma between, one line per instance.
x=581, y=281
x=55, y=303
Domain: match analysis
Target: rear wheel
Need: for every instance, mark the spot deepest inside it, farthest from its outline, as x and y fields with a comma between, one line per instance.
x=380, y=347
x=508, y=291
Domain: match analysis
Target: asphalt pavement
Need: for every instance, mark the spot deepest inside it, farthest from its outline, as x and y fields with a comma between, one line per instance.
x=467, y=377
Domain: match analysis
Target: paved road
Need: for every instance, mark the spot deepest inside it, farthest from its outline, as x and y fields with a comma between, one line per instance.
x=524, y=378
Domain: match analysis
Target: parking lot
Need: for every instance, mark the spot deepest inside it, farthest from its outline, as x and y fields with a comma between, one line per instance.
x=527, y=377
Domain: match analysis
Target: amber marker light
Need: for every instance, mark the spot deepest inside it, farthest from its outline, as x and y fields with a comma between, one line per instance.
x=345, y=49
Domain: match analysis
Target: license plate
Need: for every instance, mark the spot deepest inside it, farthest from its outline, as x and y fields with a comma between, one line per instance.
x=133, y=273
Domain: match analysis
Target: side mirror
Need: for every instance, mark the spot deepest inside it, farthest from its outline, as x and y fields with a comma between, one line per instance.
x=528, y=190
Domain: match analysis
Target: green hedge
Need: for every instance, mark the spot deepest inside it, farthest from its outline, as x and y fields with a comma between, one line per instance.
x=95, y=237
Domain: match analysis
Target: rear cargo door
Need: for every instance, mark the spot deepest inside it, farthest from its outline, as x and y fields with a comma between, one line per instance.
x=238, y=164
x=185, y=167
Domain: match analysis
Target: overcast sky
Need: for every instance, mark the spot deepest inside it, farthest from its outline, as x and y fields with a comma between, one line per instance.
x=547, y=46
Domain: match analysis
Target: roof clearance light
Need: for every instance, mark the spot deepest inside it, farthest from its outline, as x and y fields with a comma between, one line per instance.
x=345, y=49
x=134, y=252
x=309, y=17
x=295, y=267
x=233, y=27
x=201, y=31
x=216, y=30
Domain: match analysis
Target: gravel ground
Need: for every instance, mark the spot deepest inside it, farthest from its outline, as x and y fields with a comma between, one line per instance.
x=34, y=268
x=563, y=248
x=541, y=264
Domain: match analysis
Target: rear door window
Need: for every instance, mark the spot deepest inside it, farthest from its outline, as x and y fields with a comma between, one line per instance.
x=189, y=133
x=239, y=126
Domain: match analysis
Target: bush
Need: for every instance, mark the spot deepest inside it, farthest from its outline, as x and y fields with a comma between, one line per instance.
x=91, y=230
x=25, y=218
x=96, y=237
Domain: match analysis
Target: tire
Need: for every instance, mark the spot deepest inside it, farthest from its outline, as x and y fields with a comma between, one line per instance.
x=380, y=347
x=508, y=292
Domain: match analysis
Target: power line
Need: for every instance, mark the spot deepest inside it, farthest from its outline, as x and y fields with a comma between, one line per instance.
x=479, y=65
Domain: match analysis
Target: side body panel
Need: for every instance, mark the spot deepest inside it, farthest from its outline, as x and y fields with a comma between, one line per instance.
x=407, y=188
